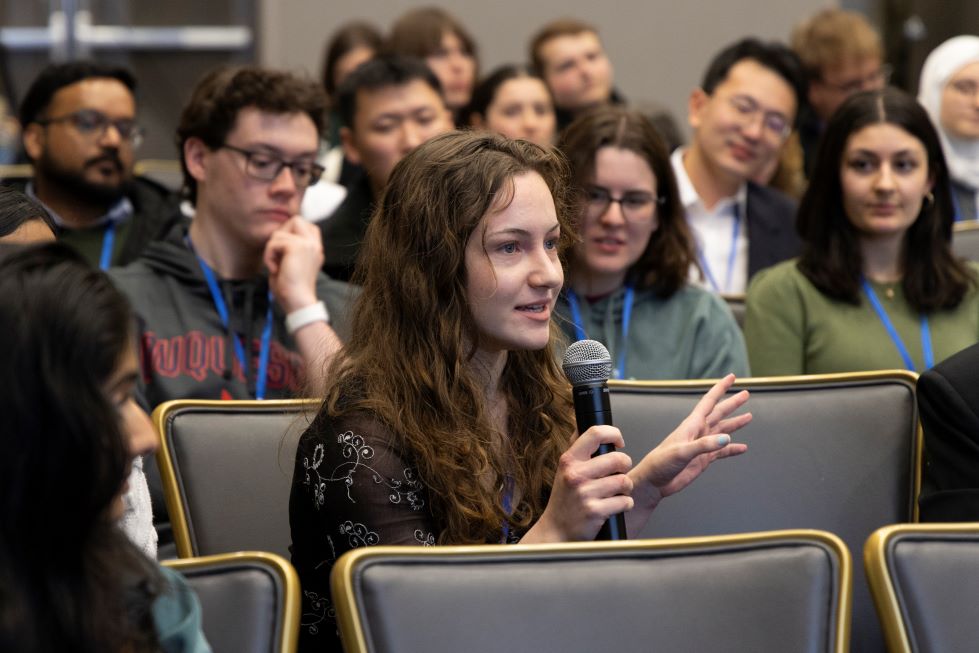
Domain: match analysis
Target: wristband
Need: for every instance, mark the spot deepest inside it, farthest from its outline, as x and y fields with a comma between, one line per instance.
x=307, y=315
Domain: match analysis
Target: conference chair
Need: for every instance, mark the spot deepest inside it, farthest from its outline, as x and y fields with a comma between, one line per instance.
x=249, y=601
x=226, y=469
x=832, y=452
x=781, y=591
x=925, y=582
x=965, y=240
x=737, y=306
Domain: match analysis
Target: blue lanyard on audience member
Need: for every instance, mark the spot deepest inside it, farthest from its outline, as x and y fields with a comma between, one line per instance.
x=108, y=242
x=579, y=328
x=507, y=506
x=958, y=217
x=730, y=258
x=222, y=309
x=926, y=350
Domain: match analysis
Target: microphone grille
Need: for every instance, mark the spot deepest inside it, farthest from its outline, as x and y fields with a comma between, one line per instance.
x=587, y=361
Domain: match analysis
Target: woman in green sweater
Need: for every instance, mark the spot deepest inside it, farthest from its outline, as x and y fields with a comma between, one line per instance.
x=876, y=286
x=627, y=276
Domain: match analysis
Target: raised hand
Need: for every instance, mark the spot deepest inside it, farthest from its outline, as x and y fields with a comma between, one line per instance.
x=700, y=439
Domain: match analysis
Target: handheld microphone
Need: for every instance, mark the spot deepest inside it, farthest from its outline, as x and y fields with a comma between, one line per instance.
x=588, y=365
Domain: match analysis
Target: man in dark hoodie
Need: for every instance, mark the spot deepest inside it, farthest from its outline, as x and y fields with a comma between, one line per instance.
x=81, y=135
x=232, y=305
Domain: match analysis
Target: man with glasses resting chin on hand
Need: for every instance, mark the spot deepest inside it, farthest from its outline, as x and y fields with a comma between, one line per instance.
x=232, y=305
x=81, y=134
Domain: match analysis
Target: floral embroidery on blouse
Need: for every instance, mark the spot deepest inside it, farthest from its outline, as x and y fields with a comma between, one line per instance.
x=356, y=453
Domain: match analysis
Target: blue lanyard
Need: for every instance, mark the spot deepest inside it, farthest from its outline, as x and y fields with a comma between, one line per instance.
x=895, y=337
x=732, y=255
x=507, y=506
x=579, y=328
x=222, y=309
x=108, y=241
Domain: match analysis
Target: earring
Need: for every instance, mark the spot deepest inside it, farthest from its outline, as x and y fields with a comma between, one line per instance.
x=929, y=201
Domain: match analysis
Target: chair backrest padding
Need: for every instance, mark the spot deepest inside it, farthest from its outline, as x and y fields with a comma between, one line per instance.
x=836, y=453
x=227, y=472
x=925, y=581
x=762, y=594
x=249, y=601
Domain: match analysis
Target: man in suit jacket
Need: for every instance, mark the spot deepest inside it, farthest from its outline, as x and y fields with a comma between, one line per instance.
x=740, y=115
x=948, y=400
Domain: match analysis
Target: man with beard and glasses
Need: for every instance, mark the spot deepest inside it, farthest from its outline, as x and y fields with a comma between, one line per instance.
x=81, y=134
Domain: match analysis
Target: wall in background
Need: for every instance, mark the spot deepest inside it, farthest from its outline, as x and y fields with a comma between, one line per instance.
x=659, y=48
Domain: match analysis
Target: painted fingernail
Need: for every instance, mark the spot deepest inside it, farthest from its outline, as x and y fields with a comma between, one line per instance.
x=723, y=440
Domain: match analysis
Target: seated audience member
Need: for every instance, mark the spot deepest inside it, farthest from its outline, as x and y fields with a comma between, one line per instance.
x=432, y=34
x=571, y=58
x=70, y=429
x=450, y=376
x=388, y=107
x=948, y=400
x=627, y=284
x=513, y=101
x=231, y=304
x=949, y=91
x=876, y=285
x=22, y=220
x=740, y=115
x=80, y=133
x=842, y=55
x=349, y=46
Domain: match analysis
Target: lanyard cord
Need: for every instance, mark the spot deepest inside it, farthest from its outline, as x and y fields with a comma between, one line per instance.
x=108, y=243
x=261, y=379
x=579, y=328
x=732, y=255
x=926, y=348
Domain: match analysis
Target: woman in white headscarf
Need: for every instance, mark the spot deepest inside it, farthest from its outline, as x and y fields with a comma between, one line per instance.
x=949, y=90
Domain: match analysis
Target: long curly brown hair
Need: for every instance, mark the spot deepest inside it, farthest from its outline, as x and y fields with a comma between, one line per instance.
x=408, y=362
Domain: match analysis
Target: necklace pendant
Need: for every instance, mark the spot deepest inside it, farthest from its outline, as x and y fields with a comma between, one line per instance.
x=889, y=292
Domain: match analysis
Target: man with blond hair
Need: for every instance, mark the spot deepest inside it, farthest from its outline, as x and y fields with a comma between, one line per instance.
x=842, y=55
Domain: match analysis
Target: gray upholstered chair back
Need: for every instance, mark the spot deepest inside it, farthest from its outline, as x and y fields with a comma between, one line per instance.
x=965, y=240
x=226, y=468
x=835, y=453
x=249, y=601
x=783, y=592
x=737, y=306
x=925, y=583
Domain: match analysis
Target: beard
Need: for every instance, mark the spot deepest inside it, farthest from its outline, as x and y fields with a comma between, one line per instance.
x=74, y=183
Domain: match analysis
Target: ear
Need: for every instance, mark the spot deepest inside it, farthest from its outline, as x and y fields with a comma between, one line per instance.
x=34, y=141
x=347, y=142
x=695, y=106
x=195, y=158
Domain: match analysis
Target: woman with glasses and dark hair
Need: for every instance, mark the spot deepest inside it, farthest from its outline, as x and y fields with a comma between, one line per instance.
x=949, y=91
x=514, y=101
x=627, y=278
x=70, y=431
x=876, y=286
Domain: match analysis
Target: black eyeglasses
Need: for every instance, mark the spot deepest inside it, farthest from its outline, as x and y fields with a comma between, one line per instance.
x=92, y=123
x=264, y=166
x=637, y=206
x=747, y=108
